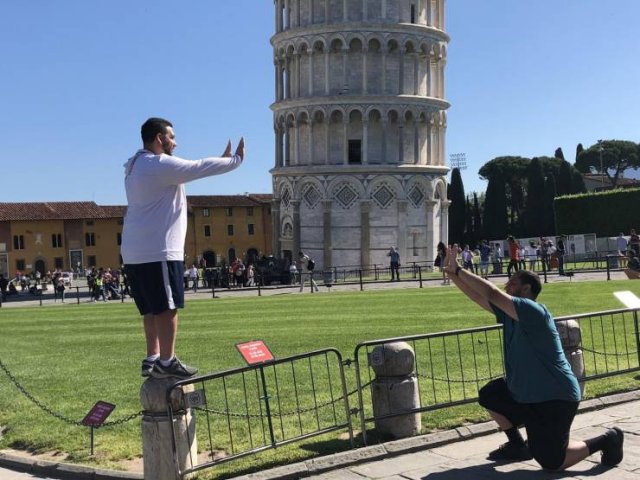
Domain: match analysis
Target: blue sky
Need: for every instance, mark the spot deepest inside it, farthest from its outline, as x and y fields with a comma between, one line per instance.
x=78, y=77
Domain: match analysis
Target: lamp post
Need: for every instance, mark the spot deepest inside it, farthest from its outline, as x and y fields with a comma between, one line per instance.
x=601, y=164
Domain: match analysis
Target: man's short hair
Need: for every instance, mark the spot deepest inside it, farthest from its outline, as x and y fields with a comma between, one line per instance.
x=152, y=127
x=532, y=279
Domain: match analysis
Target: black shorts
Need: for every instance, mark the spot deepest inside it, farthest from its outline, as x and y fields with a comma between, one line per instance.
x=547, y=423
x=157, y=286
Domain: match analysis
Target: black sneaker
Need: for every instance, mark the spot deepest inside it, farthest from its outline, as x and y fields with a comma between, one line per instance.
x=510, y=452
x=612, y=453
x=175, y=369
x=147, y=366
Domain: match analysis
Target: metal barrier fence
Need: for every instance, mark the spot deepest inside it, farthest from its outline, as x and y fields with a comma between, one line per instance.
x=452, y=366
x=250, y=409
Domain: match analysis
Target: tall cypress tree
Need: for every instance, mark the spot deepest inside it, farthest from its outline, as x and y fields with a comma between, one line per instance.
x=457, y=217
x=548, y=210
x=495, y=209
x=577, y=182
x=558, y=153
x=469, y=233
x=564, y=179
x=535, y=187
x=477, y=219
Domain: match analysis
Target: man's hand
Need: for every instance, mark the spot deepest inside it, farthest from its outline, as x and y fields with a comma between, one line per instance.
x=451, y=260
x=227, y=150
x=240, y=148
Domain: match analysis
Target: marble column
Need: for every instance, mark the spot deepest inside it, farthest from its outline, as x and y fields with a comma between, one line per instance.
x=275, y=228
x=295, y=204
x=402, y=229
x=326, y=231
x=431, y=244
x=365, y=233
x=444, y=219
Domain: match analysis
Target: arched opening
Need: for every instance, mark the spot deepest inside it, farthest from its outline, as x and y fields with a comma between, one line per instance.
x=231, y=255
x=209, y=258
x=40, y=266
x=252, y=256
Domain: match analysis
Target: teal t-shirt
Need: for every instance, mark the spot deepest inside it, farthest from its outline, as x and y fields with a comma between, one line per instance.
x=536, y=367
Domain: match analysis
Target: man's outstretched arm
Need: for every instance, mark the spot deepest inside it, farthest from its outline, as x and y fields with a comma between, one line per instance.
x=478, y=289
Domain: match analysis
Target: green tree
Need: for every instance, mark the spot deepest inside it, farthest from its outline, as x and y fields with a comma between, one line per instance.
x=477, y=219
x=565, y=178
x=558, y=153
x=494, y=219
x=549, y=225
x=577, y=182
x=579, y=150
x=457, y=217
x=534, y=219
x=512, y=170
x=469, y=232
x=611, y=157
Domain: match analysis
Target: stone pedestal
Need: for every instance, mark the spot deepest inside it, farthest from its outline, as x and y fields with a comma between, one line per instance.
x=157, y=439
x=395, y=389
x=571, y=340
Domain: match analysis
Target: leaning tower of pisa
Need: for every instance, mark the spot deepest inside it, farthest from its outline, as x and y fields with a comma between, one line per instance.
x=359, y=119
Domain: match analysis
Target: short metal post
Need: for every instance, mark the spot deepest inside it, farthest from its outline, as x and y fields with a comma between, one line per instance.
x=375, y=271
x=213, y=289
x=267, y=406
x=544, y=269
x=360, y=275
x=40, y=296
x=77, y=294
x=259, y=282
x=420, y=275
x=608, y=268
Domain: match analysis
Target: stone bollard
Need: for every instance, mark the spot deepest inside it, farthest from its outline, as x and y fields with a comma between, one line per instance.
x=395, y=389
x=157, y=441
x=571, y=340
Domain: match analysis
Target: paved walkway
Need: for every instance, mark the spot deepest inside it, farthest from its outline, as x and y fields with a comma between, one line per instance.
x=458, y=454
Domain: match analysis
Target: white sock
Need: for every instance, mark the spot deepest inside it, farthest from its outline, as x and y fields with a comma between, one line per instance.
x=166, y=363
x=152, y=358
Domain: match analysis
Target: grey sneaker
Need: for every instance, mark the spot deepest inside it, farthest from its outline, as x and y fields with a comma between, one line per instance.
x=612, y=454
x=175, y=369
x=147, y=366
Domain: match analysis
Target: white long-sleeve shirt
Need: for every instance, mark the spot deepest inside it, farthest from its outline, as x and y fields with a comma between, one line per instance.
x=155, y=225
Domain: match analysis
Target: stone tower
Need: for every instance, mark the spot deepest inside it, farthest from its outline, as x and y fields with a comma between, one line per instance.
x=359, y=120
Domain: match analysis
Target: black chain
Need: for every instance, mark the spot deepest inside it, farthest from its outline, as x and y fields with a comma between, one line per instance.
x=451, y=380
x=610, y=354
x=275, y=414
x=57, y=415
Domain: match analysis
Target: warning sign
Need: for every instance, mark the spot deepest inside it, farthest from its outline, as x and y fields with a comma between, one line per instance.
x=98, y=414
x=254, y=352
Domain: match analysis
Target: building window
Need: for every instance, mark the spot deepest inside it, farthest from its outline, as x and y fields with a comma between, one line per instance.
x=207, y=230
x=20, y=264
x=119, y=238
x=413, y=13
x=91, y=259
x=56, y=240
x=249, y=211
x=90, y=239
x=355, y=151
x=230, y=230
x=89, y=223
x=58, y=263
x=228, y=211
x=250, y=229
x=205, y=212
x=18, y=242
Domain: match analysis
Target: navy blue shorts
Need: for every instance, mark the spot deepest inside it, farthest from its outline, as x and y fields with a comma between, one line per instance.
x=157, y=286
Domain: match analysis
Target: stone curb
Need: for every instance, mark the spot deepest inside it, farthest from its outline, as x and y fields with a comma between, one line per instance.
x=315, y=466
x=409, y=445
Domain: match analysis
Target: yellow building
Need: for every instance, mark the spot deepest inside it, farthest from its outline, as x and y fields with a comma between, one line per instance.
x=71, y=236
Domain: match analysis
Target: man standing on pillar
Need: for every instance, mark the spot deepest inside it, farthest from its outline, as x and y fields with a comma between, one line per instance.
x=153, y=237
x=539, y=390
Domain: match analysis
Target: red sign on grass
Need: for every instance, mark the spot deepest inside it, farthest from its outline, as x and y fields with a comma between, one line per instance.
x=254, y=352
x=98, y=414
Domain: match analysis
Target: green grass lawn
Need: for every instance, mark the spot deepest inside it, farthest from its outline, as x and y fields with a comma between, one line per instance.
x=69, y=357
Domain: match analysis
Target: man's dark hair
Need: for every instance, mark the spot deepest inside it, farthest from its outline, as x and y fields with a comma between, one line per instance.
x=532, y=279
x=153, y=127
